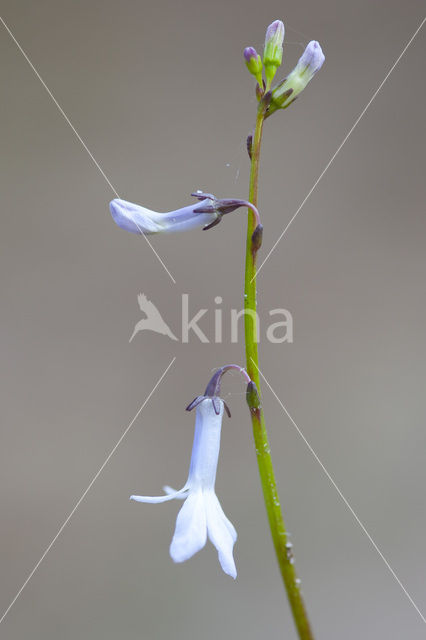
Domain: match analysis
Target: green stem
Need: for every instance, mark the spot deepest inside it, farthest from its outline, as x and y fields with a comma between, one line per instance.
x=283, y=548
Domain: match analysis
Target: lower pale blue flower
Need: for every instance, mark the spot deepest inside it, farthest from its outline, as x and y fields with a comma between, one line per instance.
x=201, y=515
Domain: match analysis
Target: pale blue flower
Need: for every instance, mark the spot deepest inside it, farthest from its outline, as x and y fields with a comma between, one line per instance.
x=136, y=219
x=205, y=213
x=201, y=515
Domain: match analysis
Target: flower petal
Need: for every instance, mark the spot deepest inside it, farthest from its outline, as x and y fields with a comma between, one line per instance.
x=170, y=495
x=134, y=218
x=221, y=533
x=191, y=529
x=176, y=494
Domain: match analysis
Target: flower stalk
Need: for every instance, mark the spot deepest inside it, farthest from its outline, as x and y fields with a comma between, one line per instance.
x=283, y=547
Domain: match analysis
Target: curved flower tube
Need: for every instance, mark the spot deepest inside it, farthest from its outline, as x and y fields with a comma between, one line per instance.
x=205, y=213
x=201, y=515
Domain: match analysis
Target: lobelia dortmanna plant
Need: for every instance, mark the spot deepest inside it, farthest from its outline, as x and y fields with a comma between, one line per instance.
x=201, y=515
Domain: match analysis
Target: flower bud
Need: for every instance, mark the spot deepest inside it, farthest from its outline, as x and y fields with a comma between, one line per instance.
x=252, y=396
x=249, y=145
x=273, y=52
x=256, y=239
x=254, y=63
x=288, y=90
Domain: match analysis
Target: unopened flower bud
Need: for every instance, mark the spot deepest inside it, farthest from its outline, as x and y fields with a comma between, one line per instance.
x=249, y=144
x=252, y=396
x=288, y=90
x=273, y=52
x=254, y=63
x=256, y=238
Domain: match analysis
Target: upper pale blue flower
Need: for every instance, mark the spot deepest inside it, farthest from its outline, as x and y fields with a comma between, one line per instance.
x=136, y=219
x=205, y=213
x=201, y=515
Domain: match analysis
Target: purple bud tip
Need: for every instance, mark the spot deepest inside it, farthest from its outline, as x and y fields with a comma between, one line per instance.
x=250, y=53
x=276, y=26
x=313, y=57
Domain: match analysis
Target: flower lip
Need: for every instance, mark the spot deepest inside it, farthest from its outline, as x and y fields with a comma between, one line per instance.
x=132, y=217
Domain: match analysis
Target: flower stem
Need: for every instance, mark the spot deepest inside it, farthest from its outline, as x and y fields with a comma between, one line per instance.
x=283, y=547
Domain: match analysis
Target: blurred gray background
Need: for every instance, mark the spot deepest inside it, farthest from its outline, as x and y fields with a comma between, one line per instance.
x=159, y=93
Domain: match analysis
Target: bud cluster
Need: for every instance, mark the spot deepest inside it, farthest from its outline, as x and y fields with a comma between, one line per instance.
x=286, y=91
